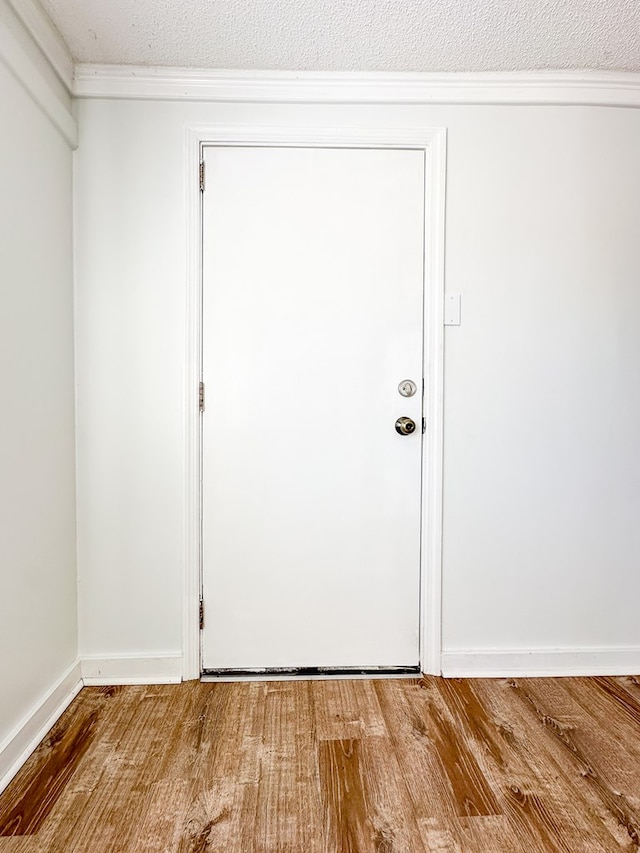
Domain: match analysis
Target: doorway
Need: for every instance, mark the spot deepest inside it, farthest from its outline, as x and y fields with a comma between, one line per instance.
x=314, y=497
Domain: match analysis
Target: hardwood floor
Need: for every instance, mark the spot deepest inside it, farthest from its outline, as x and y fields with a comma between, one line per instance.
x=390, y=766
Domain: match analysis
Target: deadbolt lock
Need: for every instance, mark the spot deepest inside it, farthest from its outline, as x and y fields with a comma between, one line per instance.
x=405, y=426
x=407, y=388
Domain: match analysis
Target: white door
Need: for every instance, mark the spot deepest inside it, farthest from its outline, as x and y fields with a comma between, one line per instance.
x=312, y=317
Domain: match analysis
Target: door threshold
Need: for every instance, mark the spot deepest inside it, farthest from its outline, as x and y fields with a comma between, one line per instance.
x=313, y=673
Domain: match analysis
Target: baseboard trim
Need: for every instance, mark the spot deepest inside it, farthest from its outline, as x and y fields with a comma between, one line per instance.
x=560, y=88
x=132, y=669
x=28, y=734
x=523, y=663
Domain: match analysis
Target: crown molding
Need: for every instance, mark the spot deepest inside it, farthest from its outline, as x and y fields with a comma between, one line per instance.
x=561, y=88
x=46, y=36
x=18, y=54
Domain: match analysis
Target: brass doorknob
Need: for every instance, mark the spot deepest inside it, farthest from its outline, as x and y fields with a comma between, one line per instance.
x=405, y=426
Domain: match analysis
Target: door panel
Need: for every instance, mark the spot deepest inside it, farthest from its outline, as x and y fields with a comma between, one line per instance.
x=312, y=316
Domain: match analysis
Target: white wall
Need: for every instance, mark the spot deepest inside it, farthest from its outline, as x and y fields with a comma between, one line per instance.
x=542, y=458
x=38, y=623
x=542, y=486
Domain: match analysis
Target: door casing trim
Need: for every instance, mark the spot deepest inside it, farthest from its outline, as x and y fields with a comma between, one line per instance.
x=433, y=142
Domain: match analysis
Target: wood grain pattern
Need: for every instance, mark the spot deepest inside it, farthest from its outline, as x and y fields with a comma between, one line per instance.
x=586, y=754
x=341, y=778
x=538, y=809
x=552, y=778
x=32, y=806
x=471, y=791
x=390, y=766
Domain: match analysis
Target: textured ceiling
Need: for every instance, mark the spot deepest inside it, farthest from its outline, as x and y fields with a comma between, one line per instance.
x=354, y=35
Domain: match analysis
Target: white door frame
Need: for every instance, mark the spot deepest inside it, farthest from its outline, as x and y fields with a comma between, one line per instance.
x=432, y=141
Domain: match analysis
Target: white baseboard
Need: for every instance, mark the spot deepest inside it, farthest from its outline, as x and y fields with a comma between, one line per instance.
x=132, y=669
x=523, y=663
x=35, y=724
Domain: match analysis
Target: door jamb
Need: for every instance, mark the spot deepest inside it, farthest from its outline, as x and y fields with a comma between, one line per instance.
x=433, y=142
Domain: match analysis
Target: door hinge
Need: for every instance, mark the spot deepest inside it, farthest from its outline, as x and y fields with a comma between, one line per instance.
x=202, y=176
x=201, y=397
x=424, y=425
x=201, y=614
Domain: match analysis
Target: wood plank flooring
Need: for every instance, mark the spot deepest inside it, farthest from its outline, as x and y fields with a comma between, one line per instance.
x=389, y=766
